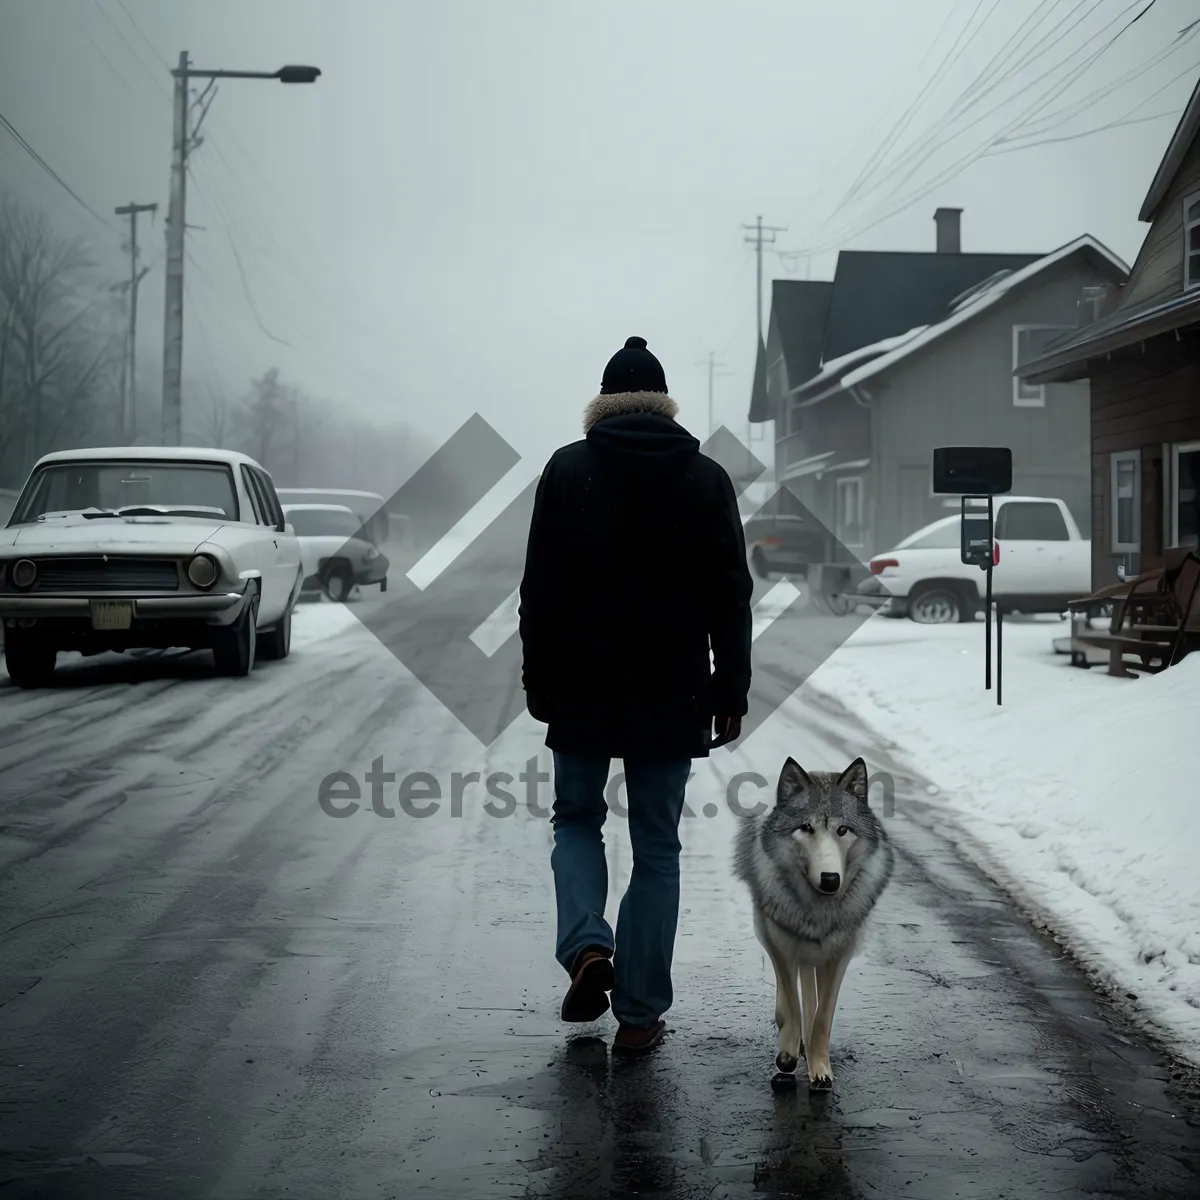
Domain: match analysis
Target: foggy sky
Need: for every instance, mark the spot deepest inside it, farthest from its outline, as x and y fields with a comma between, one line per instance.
x=479, y=201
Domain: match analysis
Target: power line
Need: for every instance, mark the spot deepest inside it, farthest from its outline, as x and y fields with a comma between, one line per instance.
x=158, y=83
x=96, y=46
x=937, y=138
x=906, y=117
x=888, y=208
x=145, y=39
x=6, y=124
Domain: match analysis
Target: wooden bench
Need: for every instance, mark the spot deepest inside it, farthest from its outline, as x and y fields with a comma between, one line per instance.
x=1155, y=617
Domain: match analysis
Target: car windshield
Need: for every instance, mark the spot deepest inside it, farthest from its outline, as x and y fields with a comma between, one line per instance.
x=110, y=486
x=322, y=522
x=946, y=535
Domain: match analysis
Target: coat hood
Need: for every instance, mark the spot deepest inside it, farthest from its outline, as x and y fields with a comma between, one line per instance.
x=639, y=430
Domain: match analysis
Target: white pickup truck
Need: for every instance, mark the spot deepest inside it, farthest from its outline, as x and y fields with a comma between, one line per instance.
x=1042, y=562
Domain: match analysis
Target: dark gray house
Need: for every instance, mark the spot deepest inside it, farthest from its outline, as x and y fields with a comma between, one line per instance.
x=903, y=352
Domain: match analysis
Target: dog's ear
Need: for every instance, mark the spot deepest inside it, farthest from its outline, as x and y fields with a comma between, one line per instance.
x=793, y=780
x=856, y=781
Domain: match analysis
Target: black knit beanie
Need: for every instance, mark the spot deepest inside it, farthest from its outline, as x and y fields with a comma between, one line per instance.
x=633, y=369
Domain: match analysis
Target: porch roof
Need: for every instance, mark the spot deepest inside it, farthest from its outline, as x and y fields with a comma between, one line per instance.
x=1068, y=360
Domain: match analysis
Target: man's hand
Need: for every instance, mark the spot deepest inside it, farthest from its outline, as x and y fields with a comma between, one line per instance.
x=538, y=709
x=729, y=729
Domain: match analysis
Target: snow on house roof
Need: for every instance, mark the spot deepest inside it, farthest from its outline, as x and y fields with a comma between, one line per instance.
x=973, y=306
x=831, y=372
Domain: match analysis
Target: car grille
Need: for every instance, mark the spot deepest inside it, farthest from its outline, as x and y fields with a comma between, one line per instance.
x=111, y=575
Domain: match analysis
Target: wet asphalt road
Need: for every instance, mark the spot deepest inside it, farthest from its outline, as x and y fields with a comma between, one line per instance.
x=209, y=988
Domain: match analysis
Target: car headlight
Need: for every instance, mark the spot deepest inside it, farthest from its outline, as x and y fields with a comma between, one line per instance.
x=203, y=571
x=24, y=573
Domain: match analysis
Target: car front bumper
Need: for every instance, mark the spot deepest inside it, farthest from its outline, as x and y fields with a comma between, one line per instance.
x=212, y=608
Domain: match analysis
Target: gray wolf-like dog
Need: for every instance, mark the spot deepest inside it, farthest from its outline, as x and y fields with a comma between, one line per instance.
x=815, y=865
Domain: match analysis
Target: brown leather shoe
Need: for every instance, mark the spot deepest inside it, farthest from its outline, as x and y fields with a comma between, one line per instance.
x=591, y=978
x=632, y=1040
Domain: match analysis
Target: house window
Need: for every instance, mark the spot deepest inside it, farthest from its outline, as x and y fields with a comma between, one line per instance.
x=850, y=512
x=1030, y=342
x=1184, y=502
x=1191, y=241
x=1125, y=490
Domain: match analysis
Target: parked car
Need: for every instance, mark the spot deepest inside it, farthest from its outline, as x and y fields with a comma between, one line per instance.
x=336, y=557
x=369, y=507
x=783, y=544
x=1042, y=563
x=132, y=546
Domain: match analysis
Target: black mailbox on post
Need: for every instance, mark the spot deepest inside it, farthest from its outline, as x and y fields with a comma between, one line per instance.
x=978, y=544
x=972, y=470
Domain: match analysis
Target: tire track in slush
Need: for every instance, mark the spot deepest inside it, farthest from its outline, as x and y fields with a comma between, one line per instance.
x=151, y=1007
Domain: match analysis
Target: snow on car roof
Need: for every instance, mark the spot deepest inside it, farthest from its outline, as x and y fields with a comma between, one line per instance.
x=340, y=508
x=150, y=453
x=328, y=492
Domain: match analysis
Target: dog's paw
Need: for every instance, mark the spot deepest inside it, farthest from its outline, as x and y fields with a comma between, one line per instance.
x=820, y=1083
x=786, y=1063
x=783, y=1081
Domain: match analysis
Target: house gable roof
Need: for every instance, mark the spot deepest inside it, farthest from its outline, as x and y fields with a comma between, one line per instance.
x=880, y=294
x=982, y=300
x=1181, y=141
x=800, y=310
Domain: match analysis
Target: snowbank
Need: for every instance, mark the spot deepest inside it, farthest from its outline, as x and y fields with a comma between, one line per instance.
x=1079, y=795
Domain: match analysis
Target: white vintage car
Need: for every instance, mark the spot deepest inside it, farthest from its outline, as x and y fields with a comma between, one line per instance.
x=129, y=547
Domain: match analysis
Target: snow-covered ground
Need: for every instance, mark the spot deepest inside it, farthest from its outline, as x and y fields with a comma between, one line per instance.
x=1078, y=795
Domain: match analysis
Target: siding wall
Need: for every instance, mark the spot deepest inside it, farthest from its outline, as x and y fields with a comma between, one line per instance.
x=1158, y=271
x=960, y=392
x=1140, y=399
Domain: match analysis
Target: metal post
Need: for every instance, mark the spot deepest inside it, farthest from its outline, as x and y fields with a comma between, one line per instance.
x=999, y=649
x=987, y=683
x=172, y=397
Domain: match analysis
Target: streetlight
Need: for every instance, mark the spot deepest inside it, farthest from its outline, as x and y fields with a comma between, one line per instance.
x=172, y=401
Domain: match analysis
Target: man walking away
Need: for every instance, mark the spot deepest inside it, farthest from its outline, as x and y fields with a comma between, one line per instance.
x=636, y=568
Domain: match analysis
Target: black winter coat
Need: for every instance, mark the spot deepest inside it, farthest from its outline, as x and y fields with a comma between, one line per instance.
x=636, y=566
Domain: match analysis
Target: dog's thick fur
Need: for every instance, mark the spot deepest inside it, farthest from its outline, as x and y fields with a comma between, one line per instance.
x=821, y=826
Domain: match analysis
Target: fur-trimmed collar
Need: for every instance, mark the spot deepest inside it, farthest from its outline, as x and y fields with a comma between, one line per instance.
x=622, y=403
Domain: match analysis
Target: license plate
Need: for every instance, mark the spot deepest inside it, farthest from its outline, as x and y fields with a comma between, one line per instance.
x=112, y=614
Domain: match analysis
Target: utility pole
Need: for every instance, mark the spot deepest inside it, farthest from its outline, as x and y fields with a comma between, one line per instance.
x=129, y=371
x=760, y=235
x=172, y=397
x=711, y=365
x=182, y=143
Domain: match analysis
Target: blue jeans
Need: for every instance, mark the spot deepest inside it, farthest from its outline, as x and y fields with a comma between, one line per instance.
x=649, y=912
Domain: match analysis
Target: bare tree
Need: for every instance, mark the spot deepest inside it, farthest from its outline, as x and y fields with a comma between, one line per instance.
x=220, y=422
x=265, y=414
x=57, y=345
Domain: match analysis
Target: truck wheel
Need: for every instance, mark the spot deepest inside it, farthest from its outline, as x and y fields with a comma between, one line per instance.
x=758, y=560
x=937, y=606
x=29, y=661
